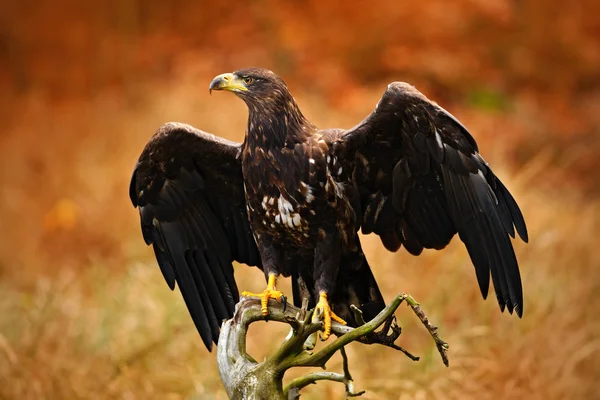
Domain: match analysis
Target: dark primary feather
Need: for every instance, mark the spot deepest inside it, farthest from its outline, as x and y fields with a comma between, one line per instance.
x=422, y=180
x=188, y=187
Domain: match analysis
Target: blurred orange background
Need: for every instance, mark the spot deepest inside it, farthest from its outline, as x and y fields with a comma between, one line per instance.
x=84, y=311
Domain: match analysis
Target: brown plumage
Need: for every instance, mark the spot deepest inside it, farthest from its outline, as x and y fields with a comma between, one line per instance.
x=291, y=199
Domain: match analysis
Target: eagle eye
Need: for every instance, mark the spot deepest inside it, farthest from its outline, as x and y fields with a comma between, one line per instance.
x=248, y=80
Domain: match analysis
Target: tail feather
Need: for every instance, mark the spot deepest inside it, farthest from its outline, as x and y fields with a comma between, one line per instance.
x=355, y=285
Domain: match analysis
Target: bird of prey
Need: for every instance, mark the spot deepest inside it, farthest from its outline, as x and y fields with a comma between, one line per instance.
x=292, y=198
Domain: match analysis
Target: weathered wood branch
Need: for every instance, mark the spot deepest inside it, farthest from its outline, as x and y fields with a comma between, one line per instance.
x=292, y=391
x=245, y=378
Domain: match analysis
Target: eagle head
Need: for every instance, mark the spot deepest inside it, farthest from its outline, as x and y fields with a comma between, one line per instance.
x=253, y=85
x=274, y=118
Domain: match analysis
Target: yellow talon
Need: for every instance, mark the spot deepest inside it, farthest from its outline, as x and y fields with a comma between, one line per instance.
x=328, y=315
x=269, y=293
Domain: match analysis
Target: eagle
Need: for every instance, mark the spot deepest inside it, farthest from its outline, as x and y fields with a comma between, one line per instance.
x=292, y=198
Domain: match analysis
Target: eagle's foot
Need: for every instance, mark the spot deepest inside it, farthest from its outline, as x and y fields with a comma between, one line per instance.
x=269, y=293
x=324, y=310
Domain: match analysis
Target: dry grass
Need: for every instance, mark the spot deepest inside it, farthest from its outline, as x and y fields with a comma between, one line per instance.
x=84, y=313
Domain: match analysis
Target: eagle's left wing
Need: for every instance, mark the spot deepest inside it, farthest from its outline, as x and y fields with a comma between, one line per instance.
x=421, y=180
x=189, y=189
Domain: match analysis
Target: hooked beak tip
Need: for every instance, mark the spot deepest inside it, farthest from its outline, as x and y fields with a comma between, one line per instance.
x=220, y=82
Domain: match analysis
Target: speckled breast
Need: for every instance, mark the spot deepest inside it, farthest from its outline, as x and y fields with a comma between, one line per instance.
x=282, y=217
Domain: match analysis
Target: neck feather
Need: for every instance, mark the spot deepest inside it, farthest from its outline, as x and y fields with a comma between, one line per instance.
x=277, y=123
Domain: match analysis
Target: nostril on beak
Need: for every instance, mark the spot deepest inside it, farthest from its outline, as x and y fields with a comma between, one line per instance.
x=223, y=82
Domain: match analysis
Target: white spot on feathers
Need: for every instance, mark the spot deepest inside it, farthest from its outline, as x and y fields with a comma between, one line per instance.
x=309, y=196
x=287, y=215
x=285, y=207
x=379, y=208
x=307, y=191
x=339, y=171
x=311, y=160
x=290, y=221
x=328, y=159
x=339, y=190
x=438, y=139
x=297, y=219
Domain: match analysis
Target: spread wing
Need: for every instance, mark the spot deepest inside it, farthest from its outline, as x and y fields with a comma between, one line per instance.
x=422, y=180
x=188, y=188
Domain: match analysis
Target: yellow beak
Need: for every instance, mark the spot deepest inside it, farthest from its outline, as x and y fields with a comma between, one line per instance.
x=229, y=82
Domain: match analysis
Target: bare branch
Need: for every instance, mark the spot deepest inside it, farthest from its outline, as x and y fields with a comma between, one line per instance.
x=441, y=345
x=244, y=378
x=321, y=357
x=309, y=379
x=348, y=381
x=292, y=390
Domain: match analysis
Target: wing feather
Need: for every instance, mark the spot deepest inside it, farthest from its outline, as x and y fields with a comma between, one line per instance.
x=420, y=167
x=188, y=188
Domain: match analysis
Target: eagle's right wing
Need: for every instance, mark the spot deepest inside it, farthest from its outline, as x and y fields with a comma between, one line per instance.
x=421, y=180
x=188, y=188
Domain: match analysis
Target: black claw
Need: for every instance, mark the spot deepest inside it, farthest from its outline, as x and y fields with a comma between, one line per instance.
x=284, y=301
